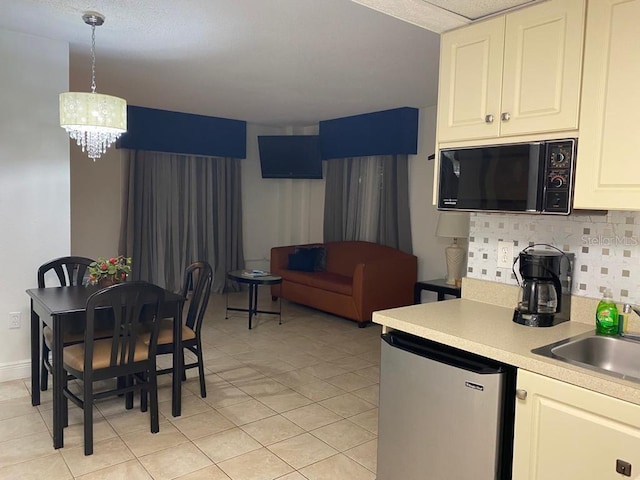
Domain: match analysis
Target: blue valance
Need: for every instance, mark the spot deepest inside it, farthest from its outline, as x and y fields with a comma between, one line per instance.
x=389, y=132
x=175, y=132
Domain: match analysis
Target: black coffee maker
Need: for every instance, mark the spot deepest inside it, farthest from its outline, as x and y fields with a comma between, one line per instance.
x=541, y=301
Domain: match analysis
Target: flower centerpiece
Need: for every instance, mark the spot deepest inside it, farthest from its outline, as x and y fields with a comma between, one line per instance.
x=105, y=272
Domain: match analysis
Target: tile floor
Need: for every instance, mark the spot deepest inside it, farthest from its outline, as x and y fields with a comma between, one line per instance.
x=291, y=402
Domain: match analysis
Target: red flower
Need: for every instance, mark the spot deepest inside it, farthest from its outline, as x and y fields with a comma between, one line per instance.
x=112, y=261
x=103, y=266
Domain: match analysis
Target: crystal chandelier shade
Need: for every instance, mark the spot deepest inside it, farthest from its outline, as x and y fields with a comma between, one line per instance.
x=92, y=119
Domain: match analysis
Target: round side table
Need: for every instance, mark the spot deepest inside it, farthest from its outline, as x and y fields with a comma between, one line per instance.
x=254, y=281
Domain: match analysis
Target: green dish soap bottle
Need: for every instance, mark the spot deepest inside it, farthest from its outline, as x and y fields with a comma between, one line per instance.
x=607, y=315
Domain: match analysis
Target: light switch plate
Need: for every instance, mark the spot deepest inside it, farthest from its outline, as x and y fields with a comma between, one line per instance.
x=505, y=254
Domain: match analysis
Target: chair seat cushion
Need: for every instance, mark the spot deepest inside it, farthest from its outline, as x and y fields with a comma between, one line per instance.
x=73, y=355
x=165, y=335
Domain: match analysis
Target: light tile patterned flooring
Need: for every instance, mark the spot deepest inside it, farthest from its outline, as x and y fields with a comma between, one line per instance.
x=291, y=402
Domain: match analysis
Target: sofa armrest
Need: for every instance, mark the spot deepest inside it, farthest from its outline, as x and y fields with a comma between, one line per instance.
x=384, y=283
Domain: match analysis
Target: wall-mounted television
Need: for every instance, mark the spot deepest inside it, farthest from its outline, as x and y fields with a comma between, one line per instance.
x=290, y=156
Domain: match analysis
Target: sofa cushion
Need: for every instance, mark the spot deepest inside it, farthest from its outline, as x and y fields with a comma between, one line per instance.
x=331, y=282
x=302, y=260
x=319, y=254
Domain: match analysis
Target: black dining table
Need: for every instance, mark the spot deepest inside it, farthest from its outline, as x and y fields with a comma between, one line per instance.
x=57, y=307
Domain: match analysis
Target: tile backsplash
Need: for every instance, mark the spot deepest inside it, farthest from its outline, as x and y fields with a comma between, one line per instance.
x=606, y=248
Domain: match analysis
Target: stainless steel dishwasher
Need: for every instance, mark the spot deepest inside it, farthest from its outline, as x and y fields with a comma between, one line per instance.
x=444, y=414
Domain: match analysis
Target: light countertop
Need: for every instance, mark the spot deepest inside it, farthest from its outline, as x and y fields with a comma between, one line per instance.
x=488, y=330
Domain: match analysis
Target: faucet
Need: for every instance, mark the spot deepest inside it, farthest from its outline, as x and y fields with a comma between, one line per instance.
x=626, y=309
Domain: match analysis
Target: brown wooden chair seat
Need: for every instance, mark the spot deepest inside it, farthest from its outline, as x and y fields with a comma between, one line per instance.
x=130, y=352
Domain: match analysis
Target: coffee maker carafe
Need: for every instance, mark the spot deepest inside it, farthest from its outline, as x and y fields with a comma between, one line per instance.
x=540, y=300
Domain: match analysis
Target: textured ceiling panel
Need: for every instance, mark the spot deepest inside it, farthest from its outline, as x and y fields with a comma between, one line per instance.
x=476, y=9
x=418, y=12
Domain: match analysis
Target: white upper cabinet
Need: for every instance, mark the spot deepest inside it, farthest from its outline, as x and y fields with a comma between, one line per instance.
x=514, y=74
x=470, y=79
x=608, y=166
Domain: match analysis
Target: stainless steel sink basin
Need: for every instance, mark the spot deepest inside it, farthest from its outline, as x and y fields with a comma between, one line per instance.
x=617, y=356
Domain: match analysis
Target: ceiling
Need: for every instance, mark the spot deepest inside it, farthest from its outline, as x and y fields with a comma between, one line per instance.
x=271, y=62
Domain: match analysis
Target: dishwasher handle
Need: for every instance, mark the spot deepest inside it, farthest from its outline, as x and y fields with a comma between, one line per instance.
x=443, y=353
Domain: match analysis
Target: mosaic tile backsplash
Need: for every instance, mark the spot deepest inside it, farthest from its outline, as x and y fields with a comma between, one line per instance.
x=606, y=249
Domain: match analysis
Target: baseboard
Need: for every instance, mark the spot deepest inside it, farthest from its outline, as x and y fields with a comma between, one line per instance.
x=15, y=371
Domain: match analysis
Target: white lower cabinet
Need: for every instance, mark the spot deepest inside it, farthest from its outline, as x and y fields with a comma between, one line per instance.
x=567, y=432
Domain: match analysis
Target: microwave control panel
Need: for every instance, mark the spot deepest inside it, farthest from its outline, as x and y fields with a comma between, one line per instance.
x=559, y=166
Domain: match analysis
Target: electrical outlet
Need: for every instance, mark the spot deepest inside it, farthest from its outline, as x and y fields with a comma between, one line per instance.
x=505, y=254
x=15, y=320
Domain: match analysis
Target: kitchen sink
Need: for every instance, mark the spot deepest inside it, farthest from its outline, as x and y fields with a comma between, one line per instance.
x=617, y=356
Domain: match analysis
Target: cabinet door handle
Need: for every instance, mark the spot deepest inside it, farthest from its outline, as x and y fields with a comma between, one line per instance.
x=505, y=116
x=488, y=118
x=521, y=394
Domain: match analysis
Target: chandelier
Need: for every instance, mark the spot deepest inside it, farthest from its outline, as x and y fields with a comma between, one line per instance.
x=93, y=120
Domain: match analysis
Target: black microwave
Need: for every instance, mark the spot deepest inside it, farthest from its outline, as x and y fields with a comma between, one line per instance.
x=534, y=177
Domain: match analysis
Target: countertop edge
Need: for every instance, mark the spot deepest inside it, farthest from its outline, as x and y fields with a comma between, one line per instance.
x=506, y=348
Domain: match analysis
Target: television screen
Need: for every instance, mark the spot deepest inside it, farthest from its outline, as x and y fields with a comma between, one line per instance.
x=290, y=156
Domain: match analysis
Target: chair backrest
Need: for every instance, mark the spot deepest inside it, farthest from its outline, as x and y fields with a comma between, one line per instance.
x=70, y=270
x=135, y=307
x=199, y=277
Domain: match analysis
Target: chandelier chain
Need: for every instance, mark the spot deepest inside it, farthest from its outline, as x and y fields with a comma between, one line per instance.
x=93, y=58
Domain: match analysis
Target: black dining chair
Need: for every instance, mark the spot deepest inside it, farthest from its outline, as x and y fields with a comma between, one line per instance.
x=198, y=278
x=129, y=354
x=69, y=271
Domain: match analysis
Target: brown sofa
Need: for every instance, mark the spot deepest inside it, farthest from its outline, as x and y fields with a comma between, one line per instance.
x=355, y=278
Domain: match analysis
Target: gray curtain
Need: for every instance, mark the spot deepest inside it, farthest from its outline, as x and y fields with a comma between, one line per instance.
x=178, y=209
x=367, y=198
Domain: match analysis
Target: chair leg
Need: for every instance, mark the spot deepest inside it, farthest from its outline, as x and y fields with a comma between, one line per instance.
x=44, y=373
x=184, y=370
x=128, y=402
x=87, y=408
x=203, y=388
x=153, y=394
x=65, y=402
x=144, y=393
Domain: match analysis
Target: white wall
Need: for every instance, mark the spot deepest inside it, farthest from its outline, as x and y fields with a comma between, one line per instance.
x=277, y=211
x=95, y=203
x=424, y=217
x=34, y=176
